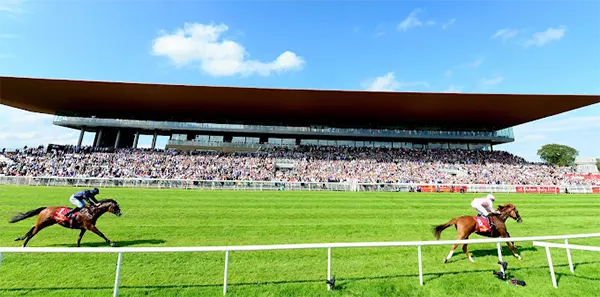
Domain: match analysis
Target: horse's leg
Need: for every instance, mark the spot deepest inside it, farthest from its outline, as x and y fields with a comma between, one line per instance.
x=36, y=230
x=26, y=234
x=80, y=236
x=462, y=234
x=511, y=245
x=450, y=253
x=44, y=220
x=95, y=230
x=466, y=251
x=509, y=236
x=464, y=230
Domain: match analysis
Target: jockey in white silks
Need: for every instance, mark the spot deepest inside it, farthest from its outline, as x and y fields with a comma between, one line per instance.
x=484, y=206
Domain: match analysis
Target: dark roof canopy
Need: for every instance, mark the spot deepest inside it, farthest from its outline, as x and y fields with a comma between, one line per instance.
x=292, y=107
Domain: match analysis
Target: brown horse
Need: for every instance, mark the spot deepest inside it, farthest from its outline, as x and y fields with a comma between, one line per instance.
x=466, y=225
x=83, y=220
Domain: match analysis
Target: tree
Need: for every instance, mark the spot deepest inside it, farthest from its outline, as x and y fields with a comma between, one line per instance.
x=558, y=154
x=598, y=163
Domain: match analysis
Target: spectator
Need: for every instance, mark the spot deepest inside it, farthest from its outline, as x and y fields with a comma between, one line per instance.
x=311, y=164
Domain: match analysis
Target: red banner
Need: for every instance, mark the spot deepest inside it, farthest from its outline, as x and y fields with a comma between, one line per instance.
x=443, y=188
x=596, y=190
x=527, y=189
x=550, y=190
x=427, y=188
x=583, y=176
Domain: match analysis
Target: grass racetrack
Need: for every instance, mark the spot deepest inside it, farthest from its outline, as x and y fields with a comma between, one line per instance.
x=202, y=218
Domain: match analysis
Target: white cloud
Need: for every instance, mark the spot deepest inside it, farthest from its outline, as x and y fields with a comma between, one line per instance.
x=453, y=89
x=449, y=23
x=474, y=64
x=380, y=30
x=544, y=37
x=389, y=83
x=19, y=128
x=492, y=81
x=533, y=137
x=572, y=124
x=204, y=45
x=505, y=34
x=12, y=6
x=413, y=21
x=29, y=118
x=576, y=128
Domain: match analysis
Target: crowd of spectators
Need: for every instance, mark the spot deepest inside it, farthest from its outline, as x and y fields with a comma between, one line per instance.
x=305, y=164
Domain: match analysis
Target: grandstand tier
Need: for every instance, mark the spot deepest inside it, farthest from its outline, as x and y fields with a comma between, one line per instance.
x=304, y=163
x=324, y=164
x=248, y=119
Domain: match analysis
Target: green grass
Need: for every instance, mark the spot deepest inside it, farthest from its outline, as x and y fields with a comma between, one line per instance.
x=204, y=218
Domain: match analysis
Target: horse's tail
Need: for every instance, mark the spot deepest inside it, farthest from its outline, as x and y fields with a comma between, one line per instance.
x=437, y=230
x=26, y=215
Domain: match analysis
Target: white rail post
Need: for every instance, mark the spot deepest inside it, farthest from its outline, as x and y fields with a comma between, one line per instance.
x=420, y=266
x=328, y=268
x=551, y=267
x=226, y=272
x=118, y=274
x=500, y=256
x=569, y=257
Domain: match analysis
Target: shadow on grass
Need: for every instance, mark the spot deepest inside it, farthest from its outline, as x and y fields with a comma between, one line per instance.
x=339, y=283
x=477, y=253
x=560, y=275
x=123, y=243
x=505, y=251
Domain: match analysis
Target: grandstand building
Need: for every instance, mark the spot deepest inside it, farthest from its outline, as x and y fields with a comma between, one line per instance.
x=246, y=119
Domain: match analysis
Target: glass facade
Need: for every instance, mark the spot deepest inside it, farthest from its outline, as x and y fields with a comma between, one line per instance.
x=237, y=139
x=417, y=139
x=505, y=135
x=252, y=142
x=179, y=137
x=463, y=146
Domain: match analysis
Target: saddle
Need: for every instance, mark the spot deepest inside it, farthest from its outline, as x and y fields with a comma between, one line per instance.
x=483, y=225
x=60, y=215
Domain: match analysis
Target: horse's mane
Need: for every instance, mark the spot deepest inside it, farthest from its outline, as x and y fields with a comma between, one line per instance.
x=502, y=207
x=107, y=200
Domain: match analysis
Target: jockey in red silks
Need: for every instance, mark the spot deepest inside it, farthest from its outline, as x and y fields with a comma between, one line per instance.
x=484, y=206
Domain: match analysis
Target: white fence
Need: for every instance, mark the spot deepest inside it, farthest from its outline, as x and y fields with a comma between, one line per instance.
x=327, y=246
x=568, y=247
x=274, y=185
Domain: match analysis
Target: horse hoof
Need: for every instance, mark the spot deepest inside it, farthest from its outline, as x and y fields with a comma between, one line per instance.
x=472, y=261
x=112, y=244
x=445, y=260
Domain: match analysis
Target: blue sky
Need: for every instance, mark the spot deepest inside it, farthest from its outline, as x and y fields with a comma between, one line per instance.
x=545, y=47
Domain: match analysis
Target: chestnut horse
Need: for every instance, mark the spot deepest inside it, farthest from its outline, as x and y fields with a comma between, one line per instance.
x=466, y=225
x=83, y=220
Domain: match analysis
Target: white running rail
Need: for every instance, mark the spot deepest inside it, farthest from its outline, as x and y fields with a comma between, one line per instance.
x=568, y=247
x=328, y=246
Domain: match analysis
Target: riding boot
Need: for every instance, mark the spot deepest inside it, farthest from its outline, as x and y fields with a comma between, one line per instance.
x=70, y=213
x=489, y=221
